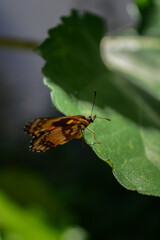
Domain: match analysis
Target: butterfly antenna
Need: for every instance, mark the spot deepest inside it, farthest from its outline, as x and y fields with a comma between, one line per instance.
x=93, y=102
x=95, y=93
x=104, y=118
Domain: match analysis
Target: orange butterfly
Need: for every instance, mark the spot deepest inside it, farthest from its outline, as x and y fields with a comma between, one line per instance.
x=48, y=133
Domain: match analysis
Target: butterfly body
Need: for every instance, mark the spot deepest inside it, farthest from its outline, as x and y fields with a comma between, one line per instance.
x=49, y=132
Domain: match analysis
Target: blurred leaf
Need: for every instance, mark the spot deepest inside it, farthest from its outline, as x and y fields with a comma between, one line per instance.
x=143, y=3
x=18, y=223
x=136, y=57
x=150, y=11
x=73, y=70
x=31, y=190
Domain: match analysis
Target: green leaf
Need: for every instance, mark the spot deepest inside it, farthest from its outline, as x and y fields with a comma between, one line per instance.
x=150, y=11
x=138, y=58
x=73, y=70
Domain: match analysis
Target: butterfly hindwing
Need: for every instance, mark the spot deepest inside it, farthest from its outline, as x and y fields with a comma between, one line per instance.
x=52, y=138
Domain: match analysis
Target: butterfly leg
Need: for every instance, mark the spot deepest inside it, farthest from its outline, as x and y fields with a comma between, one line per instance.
x=93, y=135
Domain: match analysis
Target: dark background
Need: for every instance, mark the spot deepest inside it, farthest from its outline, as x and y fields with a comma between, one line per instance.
x=80, y=189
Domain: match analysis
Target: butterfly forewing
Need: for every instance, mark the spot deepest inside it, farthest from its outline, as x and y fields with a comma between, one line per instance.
x=50, y=132
x=40, y=125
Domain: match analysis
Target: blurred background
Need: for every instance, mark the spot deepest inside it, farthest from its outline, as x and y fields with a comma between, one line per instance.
x=66, y=193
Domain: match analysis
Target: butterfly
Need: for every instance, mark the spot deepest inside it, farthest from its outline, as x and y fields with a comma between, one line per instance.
x=48, y=133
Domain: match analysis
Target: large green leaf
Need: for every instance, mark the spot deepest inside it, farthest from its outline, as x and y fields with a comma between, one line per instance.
x=73, y=70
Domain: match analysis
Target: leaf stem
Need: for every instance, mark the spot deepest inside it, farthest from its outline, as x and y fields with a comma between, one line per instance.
x=16, y=43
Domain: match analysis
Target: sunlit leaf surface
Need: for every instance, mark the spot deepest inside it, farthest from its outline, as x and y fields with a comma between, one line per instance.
x=138, y=58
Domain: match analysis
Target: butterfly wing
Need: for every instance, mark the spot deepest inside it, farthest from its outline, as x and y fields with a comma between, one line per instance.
x=57, y=136
x=40, y=125
x=49, y=132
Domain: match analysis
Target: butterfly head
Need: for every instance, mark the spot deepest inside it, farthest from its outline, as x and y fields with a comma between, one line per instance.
x=91, y=118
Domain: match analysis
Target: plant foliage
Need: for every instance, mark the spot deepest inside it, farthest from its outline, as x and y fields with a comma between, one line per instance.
x=74, y=69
